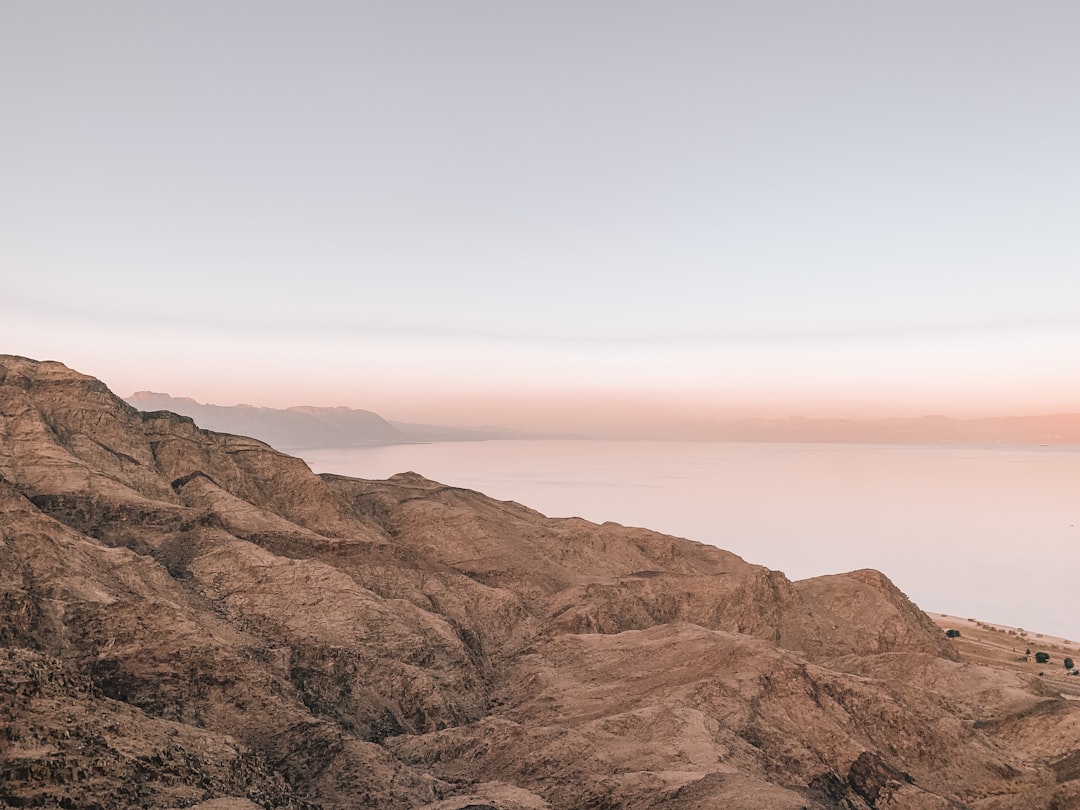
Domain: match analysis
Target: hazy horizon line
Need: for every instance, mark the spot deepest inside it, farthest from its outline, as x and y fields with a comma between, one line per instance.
x=687, y=422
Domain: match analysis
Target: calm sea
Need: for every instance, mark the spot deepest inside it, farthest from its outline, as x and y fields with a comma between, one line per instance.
x=987, y=532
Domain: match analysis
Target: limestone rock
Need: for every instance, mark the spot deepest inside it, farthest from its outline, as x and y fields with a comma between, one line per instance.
x=192, y=619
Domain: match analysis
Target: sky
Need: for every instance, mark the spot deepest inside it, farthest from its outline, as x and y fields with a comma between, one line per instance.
x=548, y=214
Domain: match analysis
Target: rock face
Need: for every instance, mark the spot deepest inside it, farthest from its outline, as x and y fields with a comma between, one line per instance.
x=192, y=619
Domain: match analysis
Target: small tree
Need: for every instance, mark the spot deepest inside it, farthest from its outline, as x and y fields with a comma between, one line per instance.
x=1068, y=663
x=1042, y=657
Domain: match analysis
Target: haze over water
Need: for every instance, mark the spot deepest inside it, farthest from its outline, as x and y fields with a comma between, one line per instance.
x=982, y=531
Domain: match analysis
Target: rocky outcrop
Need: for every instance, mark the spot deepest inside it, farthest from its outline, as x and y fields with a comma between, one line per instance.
x=192, y=619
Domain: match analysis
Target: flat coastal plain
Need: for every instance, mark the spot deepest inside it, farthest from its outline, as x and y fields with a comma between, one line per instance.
x=1014, y=648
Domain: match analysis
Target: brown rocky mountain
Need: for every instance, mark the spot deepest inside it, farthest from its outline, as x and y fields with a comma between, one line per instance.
x=192, y=619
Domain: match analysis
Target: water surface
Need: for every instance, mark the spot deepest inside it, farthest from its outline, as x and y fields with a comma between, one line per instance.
x=990, y=532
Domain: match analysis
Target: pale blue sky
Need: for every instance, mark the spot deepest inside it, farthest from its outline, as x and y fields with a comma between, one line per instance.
x=469, y=208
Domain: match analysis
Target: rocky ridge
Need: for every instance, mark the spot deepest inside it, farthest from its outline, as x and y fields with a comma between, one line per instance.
x=192, y=619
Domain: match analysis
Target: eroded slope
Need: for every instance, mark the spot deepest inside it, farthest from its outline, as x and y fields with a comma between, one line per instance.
x=210, y=622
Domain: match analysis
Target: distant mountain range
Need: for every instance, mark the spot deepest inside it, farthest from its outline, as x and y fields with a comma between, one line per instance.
x=305, y=427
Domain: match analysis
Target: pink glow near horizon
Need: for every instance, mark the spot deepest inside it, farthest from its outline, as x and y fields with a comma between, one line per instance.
x=580, y=388
x=709, y=210
x=590, y=409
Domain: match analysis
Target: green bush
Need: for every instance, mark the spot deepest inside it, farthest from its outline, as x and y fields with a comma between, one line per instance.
x=952, y=633
x=1042, y=657
x=1068, y=663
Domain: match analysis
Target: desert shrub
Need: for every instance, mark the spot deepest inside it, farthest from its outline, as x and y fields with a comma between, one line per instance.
x=1068, y=663
x=1042, y=657
x=951, y=633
